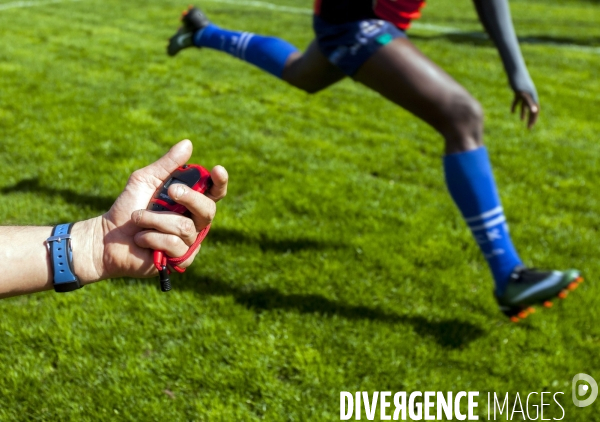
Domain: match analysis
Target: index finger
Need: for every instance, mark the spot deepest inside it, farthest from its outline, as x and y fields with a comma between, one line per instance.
x=220, y=178
x=201, y=207
x=534, y=110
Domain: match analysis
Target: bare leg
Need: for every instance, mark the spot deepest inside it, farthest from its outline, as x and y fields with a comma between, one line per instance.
x=404, y=75
x=311, y=71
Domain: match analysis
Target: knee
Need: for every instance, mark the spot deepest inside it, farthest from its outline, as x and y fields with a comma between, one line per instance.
x=310, y=89
x=465, y=112
x=463, y=126
x=301, y=83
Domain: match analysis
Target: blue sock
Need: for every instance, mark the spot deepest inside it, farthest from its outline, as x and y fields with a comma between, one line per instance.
x=268, y=53
x=471, y=184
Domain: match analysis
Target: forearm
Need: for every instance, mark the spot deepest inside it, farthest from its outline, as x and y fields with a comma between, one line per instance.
x=495, y=17
x=120, y=242
x=26, y=262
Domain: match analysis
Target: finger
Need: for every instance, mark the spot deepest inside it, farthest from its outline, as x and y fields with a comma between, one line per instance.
x=219, y=178
x=172, y=245
x=514, y=103
x=531, y=103
x=533, y=118
x=203, y=209
x=159, y=171
x=168, y=223
x=189, y=261
x=523, y=110
x=534, y=110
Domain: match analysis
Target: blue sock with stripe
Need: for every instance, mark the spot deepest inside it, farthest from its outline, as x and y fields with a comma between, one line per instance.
x=268, y=53
x=471, y=184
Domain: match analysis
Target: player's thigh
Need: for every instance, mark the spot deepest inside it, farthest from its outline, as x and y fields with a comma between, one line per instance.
x=404, y=75
x=311, y=71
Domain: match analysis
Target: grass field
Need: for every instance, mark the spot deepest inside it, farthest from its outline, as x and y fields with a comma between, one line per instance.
x=337, y=262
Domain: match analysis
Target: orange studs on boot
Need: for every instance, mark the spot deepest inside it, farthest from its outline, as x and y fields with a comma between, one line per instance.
x=573, y=286
x=523, y=314
x=563, y=294
x=186, y=11
x=579, y=280
x=548, y=304
x=531, y=310
x=514, y=319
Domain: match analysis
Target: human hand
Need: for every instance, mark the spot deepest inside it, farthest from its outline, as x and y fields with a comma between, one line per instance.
x=528, y=104
x=122, y=241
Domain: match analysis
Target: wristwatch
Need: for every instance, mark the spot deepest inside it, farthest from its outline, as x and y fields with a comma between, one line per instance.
x=61, y=259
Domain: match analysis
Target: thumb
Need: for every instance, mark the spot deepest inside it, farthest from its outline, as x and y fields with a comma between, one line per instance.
x=178, y=155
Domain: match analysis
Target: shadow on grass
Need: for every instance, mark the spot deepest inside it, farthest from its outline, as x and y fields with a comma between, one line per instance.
x=217, y=234
x=481, y=39
x=451, y=333
x=224, y=235
x=99, y=203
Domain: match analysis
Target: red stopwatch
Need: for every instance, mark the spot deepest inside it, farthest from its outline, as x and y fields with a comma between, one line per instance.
x=197, y=178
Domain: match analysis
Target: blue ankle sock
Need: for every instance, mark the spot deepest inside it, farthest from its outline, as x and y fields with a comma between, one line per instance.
x=471, y=184
x=268, y=53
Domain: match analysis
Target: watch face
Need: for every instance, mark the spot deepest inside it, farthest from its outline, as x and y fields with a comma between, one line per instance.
x=67, y=287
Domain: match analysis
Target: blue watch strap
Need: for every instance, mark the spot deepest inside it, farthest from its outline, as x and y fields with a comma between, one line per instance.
x=61, y=257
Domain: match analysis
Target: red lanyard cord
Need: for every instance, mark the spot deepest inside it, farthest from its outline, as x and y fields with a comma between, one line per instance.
x=161, y=260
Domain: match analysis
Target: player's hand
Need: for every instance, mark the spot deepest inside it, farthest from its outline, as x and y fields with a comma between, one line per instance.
x=528, y=106
x=126, y=236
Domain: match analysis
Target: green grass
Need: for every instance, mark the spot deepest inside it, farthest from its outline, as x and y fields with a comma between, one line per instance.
x=337, y=262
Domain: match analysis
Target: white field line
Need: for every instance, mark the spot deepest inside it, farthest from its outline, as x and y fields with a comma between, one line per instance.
x=303, y=11
x=265, y=5
x=22, y=4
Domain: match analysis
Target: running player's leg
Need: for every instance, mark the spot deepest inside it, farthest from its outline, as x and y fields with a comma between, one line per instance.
x=401, y=73
x=405, y=76
x=309, y=71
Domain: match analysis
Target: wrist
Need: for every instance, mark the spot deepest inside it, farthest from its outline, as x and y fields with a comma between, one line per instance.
x=87, y=243
x=521, y=81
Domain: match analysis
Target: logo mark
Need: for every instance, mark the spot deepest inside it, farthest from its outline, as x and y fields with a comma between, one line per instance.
x=182, y=39
x=581, y=390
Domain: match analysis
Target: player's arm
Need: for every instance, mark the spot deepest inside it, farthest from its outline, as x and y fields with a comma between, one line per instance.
x=495, y=17
x=120, y=242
